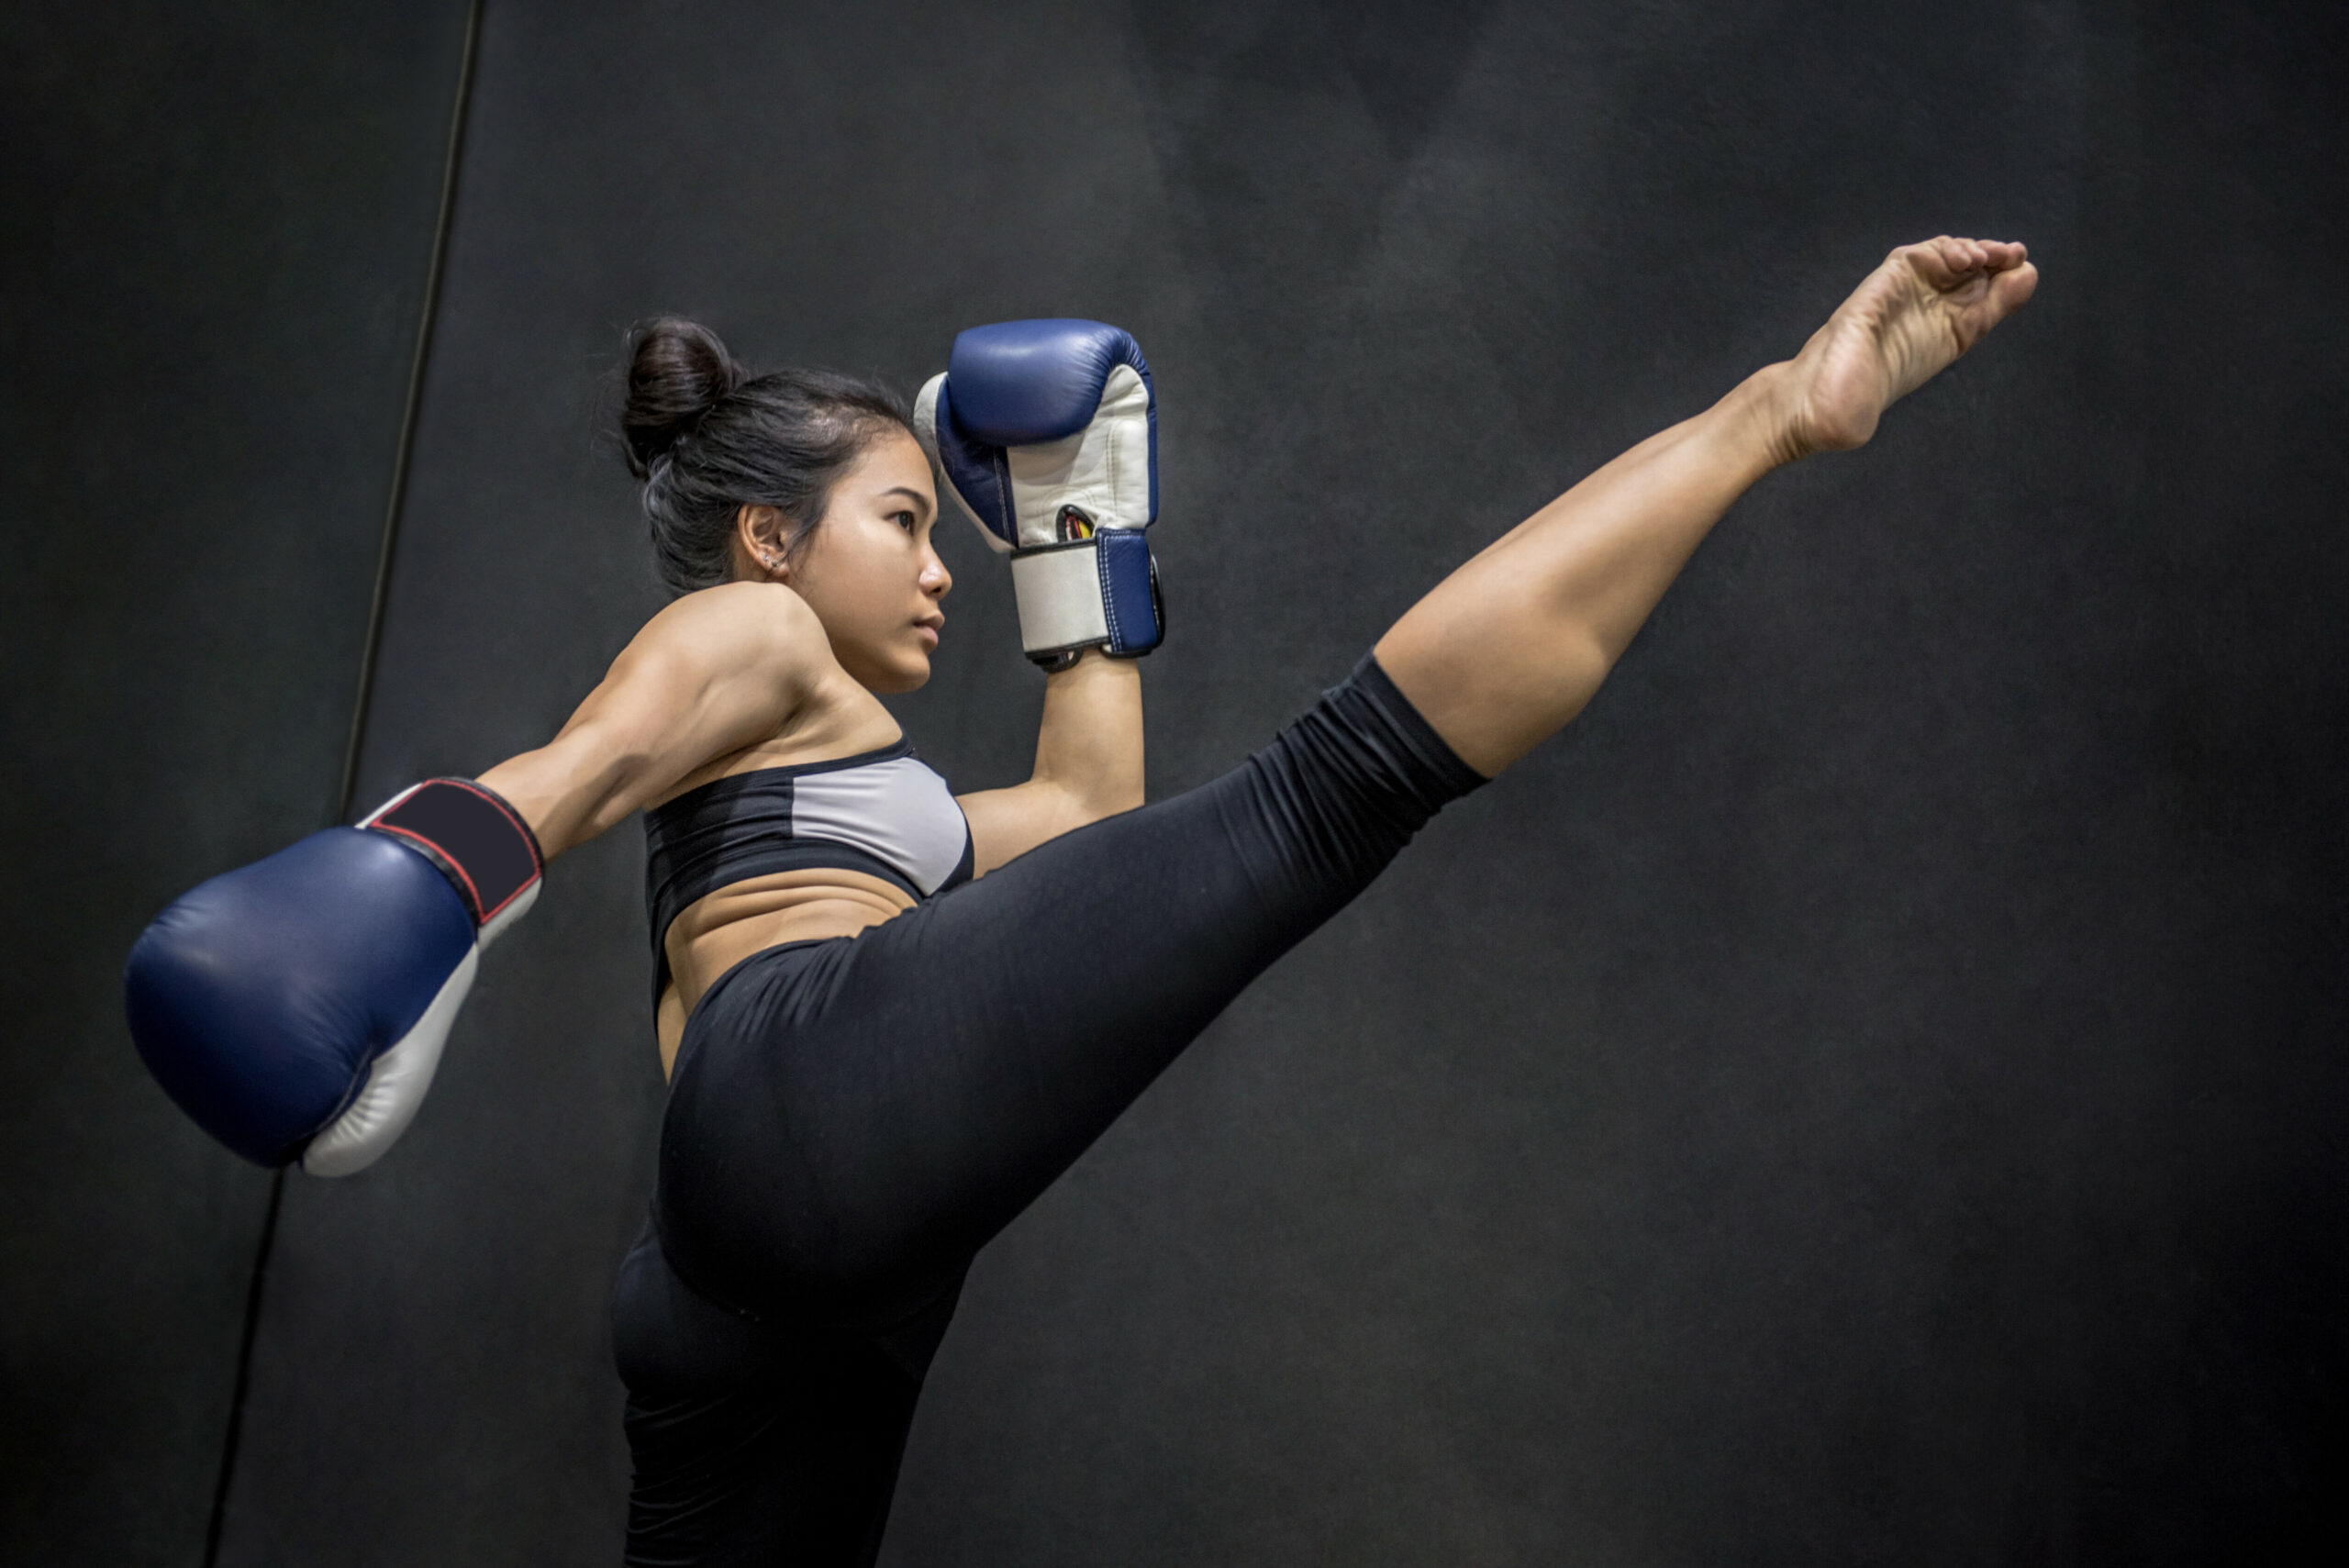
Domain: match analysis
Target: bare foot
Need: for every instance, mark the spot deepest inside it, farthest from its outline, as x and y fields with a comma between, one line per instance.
x=1924, y=307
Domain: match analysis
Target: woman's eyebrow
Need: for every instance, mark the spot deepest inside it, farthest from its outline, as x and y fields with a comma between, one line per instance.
x=907, y=492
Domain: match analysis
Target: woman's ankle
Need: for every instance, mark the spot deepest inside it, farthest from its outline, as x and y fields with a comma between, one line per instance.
x=1763, y=412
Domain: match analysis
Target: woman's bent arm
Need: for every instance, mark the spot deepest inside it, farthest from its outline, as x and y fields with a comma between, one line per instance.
x=714, y=673
x=1088, y=763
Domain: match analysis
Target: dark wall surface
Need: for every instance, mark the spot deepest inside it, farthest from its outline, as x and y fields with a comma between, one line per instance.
x=1869, y=1092
x=214, y=232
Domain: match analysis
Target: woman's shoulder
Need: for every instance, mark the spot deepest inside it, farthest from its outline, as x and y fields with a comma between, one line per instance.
x=763, y=635
x=737, y=624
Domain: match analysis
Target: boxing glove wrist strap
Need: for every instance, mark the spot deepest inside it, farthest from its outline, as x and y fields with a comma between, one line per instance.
x=475, y=840
x=1100, y=592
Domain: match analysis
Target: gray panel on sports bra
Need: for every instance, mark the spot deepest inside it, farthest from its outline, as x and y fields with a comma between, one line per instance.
x=899, y=810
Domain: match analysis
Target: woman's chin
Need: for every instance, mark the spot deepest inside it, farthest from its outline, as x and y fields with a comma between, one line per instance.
x=893, y=677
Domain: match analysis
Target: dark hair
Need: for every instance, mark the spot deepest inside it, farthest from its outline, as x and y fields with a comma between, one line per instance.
x=707, y=439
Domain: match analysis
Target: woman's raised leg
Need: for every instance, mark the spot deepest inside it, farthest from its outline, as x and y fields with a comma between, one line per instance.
x=850, y=1123
x=1514, y=643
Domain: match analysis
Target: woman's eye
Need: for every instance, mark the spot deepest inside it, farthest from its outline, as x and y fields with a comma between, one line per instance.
x=905, y=521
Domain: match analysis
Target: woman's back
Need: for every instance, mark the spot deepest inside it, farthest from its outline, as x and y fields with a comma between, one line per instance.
x=733, y=682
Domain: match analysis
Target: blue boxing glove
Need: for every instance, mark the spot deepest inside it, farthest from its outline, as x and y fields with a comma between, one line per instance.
x=1045, y=433
x=295, y=1008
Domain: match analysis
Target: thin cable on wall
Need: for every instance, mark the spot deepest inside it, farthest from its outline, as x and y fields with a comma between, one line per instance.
x=392, y=506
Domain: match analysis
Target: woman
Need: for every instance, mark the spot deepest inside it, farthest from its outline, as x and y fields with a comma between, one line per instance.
x=888, y=1031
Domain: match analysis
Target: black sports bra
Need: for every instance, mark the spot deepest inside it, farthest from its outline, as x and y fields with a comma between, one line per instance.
x=884, y=813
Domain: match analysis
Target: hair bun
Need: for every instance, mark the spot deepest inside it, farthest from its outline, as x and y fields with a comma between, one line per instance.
x=677, y=369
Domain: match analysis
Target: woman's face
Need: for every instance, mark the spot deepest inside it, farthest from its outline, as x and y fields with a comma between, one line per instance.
x=868, y=570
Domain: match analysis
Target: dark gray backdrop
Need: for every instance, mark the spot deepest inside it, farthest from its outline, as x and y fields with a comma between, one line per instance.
x=215, y=226
x=1867, y=1092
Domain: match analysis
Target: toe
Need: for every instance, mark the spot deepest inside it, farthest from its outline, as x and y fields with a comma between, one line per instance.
x=1932, y=260
x=2015, y=285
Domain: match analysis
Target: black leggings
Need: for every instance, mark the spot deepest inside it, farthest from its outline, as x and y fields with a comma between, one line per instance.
x=851, y=1121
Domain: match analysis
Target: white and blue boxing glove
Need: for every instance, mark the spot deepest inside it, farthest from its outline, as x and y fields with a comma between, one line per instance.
x=295, y=1008
x=1045, y=433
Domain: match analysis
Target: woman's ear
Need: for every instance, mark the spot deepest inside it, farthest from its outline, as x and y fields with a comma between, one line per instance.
x=758, y=534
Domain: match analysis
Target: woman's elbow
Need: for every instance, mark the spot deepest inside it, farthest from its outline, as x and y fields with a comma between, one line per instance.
x=1096, y=804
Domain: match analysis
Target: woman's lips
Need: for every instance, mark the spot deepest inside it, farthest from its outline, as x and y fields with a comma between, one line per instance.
x=928, y=629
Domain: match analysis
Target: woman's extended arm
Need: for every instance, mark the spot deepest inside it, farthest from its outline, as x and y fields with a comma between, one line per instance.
x=711, y=674
x=1088, y=763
